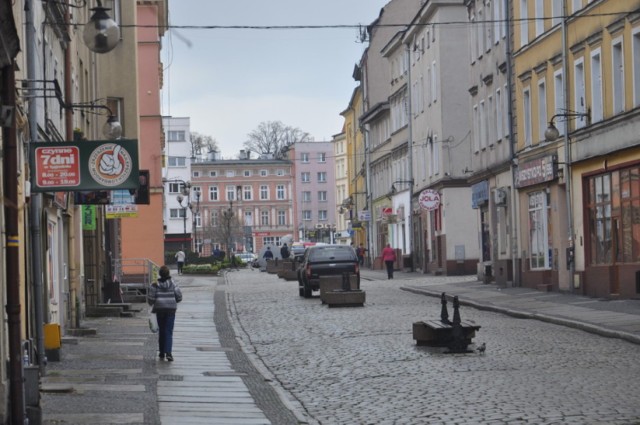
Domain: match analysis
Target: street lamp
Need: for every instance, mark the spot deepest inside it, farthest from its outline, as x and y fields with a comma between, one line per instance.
x=195, y=212
x=101, y=34
x=186, y=186
x=551, y=134
x=228, y=218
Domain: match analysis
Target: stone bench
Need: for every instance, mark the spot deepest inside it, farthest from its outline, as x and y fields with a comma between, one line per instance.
x=455, y=334
x=331, y=283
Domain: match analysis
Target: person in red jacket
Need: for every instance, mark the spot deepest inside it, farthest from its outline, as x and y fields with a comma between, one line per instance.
x=389, y=257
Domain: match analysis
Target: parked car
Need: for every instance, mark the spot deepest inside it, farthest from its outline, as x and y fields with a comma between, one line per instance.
x=297, y=250
x=247, y=257
x=325, y=260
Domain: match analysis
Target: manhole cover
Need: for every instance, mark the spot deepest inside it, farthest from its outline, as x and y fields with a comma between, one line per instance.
x=170, y=378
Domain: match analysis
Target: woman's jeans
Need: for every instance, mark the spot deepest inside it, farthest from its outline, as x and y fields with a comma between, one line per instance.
x=389, y=265
x=165, y=332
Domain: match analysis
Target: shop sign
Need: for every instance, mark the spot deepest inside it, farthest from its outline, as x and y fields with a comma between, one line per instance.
x=479, y=194
x=429, y=199
x=364, y=215
x=121, y=211
x=538, y=171
x=84, y=166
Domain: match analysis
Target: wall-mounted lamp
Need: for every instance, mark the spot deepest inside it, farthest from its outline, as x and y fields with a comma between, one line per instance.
x=101, y=34
x=551, y=134
x=393, y=185
x=112, y=129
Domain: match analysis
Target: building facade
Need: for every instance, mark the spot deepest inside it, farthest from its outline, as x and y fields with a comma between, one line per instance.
x=577, y=191
x=314, y=180
x=245, y=203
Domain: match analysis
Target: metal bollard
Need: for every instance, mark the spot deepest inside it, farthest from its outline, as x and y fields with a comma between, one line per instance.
x=444, y=314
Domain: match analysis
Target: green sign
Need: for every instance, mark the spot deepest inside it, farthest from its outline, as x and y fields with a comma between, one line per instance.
x=84, y=165
x=88, y=217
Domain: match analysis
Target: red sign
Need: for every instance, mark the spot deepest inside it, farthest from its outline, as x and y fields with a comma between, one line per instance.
x=429, y=200
x=57, y=166
x=387, y=211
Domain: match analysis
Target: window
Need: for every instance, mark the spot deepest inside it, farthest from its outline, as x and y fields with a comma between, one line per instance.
x=322, y=196
x=596, y=86
x=282, y=218
x=483, y=126
x=280, y=172
x=177, y=161
x=195, y=174
x=247, y=193
x=556, y=10
x=542, y=109
x=176, y=136
x=539, y=237
x=322, y=177
x=305, y=177
x=280, y=193
x=526, y=98
x=539, y=17
x=306, y=196
x=248, y=218
x=231, y=193
x=213, y=193
x=436, y=156
x=230, y=173
x=618, y=76
x=304, y=157
x=558, y=99
x=178, y=213
x=506, y=107
x=434, y=82
x=213, y=174
x=264, y=192
x=636, y=67
x=264, y=218
x=579, y=92
x=600, y=218
x=577, y=5
x=322, y=157
x=524, y=23
x=499, y=117
x=246, y=173
x=322, y=215
x=175, y=187
x=490, y=120
x=214, y=218
x=306, y=215
x=264, y=173
x=476, y=129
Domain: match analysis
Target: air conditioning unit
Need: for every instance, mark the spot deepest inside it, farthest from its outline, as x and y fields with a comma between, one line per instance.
x=319, y=226
x=500, y=197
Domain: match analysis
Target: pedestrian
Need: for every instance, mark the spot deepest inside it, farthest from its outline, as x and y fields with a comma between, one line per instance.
x=180, y=256
x=360, y=251
x=389, y=257
x=164, y=296
x=284, y=251
x=268, y=255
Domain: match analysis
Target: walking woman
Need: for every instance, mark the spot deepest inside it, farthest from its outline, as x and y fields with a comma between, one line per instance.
x=164, y=296
x=389, y=257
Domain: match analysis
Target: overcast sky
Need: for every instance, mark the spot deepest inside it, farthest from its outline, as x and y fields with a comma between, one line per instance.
x=229, y=80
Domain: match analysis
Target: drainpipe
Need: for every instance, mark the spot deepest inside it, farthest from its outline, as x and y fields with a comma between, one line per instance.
x=36, y=198
x=515, y=202
x=410, y=157
x=74, y=284
x=12, y=243
x=567, y=149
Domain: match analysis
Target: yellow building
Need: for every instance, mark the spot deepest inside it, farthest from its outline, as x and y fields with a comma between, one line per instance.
x=577, y=66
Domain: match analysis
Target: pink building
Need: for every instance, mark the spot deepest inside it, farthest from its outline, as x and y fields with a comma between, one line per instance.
x=255, y=195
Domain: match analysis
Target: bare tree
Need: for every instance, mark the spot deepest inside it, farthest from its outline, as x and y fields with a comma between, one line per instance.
x=201, y=144
x=225, y=229
x=273, y=137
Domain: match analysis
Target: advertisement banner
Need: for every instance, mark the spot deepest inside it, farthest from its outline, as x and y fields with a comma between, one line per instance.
x=84, y=165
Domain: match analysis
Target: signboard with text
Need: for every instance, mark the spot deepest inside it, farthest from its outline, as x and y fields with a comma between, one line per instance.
x=429, y=199
x=84, y=165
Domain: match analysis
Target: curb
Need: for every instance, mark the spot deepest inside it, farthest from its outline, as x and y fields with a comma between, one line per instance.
x=587, y=327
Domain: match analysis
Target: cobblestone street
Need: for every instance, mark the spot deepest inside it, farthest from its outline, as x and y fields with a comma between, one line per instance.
x=362, y=366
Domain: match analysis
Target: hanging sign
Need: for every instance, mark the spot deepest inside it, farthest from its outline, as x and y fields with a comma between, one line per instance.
x=429, y=200
x=84, y=165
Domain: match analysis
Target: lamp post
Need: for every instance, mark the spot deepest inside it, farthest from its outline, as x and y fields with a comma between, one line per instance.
x=228, y=218
x=195, y=212
x=551, y=134
x=393, y=192
x=183, y=197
